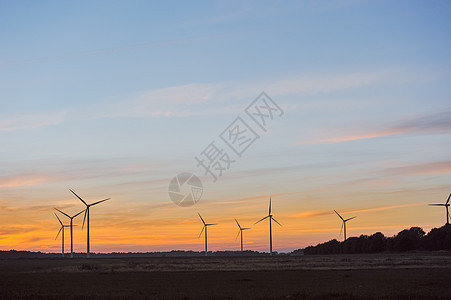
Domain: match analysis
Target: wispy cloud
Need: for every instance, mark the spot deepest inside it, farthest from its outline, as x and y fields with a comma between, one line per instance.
x=177, y=101
x=438, y=167
x=23, y=180
x=324, y=84
x=107, y=51
x=29, y=121
x=196, y=99
x=316, y=213
x=354, y=137
x=439, y=122
x=227, y=97
x=51, y=171
x=45, y=208
x=16, y=229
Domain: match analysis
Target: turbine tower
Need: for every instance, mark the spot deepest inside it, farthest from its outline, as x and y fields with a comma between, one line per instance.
x=88, y=254
x=446, y=205
x=270, y=225
x=204, y=228
x=344, y=224
x=71, y=230
x=62, y=235
x=240, y=232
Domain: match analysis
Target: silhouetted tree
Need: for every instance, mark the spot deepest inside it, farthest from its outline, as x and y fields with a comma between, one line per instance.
x=437, y=239
x=407, y=240
x=330, y=247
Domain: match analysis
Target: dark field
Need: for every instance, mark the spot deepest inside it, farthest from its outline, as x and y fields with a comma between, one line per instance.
x=378, y=276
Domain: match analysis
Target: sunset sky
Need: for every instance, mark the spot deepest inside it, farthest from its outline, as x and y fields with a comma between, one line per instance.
x=115, y=98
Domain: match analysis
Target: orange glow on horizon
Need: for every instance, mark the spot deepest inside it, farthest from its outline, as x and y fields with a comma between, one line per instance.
x=298, y=231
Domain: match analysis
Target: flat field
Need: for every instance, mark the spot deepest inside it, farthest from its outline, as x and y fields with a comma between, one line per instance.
x=376, y=276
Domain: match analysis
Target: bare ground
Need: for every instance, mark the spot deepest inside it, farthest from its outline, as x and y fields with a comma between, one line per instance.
x=378, y=276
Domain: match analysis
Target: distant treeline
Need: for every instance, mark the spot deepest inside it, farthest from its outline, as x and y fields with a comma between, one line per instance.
x=406, y=240
x=11, y=254
x=180, y=253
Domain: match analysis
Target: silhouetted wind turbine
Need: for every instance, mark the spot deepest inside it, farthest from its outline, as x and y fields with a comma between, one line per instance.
x=270, y=227
x=204, y=228
x=344, y=223
x=71, y=230
x=88, y=254
x=240, y=232
x=446, y=205
x=62, y=235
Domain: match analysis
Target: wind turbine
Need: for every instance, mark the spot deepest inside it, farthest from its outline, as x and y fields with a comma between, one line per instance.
x=71, y=230
x=204, y=228
x=270, y=227
x=84, y=218
x=344, y=223
x=446, y=205
x=240, y=232
x=62, y=235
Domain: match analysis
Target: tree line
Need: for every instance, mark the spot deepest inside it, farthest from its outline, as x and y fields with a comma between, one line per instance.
x=406, y=240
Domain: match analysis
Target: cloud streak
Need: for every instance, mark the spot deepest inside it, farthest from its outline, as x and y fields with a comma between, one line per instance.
x=439, y=122
x=438, y=167
x=197, y=99
x=23, y=180
x=316, y=213
x=30, y=121
x=107, y=51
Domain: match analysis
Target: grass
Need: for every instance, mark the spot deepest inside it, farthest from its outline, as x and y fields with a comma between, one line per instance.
x=381, y=276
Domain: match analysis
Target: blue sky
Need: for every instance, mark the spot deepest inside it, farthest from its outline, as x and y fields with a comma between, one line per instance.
x=114, y=98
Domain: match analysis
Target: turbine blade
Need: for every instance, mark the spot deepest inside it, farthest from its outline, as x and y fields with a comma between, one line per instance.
x=79, y=197
x=349, y=219
x=246, y=228
x=201, y=218
x=261, y=220
x=447, y=201
x=269, y=205
x=99, y=201
x=338, y=215
x=84, y=218
x=59, y=232
x=437, y=204
x=276, y=222
x=63, y=213
x=201, y=231
x=238, y=223
x=341, y=230
x=239, y=231
x=58, y=219
x=78, y=213
x=211, y=224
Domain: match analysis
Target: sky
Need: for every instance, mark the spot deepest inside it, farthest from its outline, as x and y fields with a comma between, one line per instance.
x=113, y=99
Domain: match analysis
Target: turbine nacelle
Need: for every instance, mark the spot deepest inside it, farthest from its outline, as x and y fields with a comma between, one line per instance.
x=343, y=224
x=446, y=205
x=70, y=217
x=240, y=230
